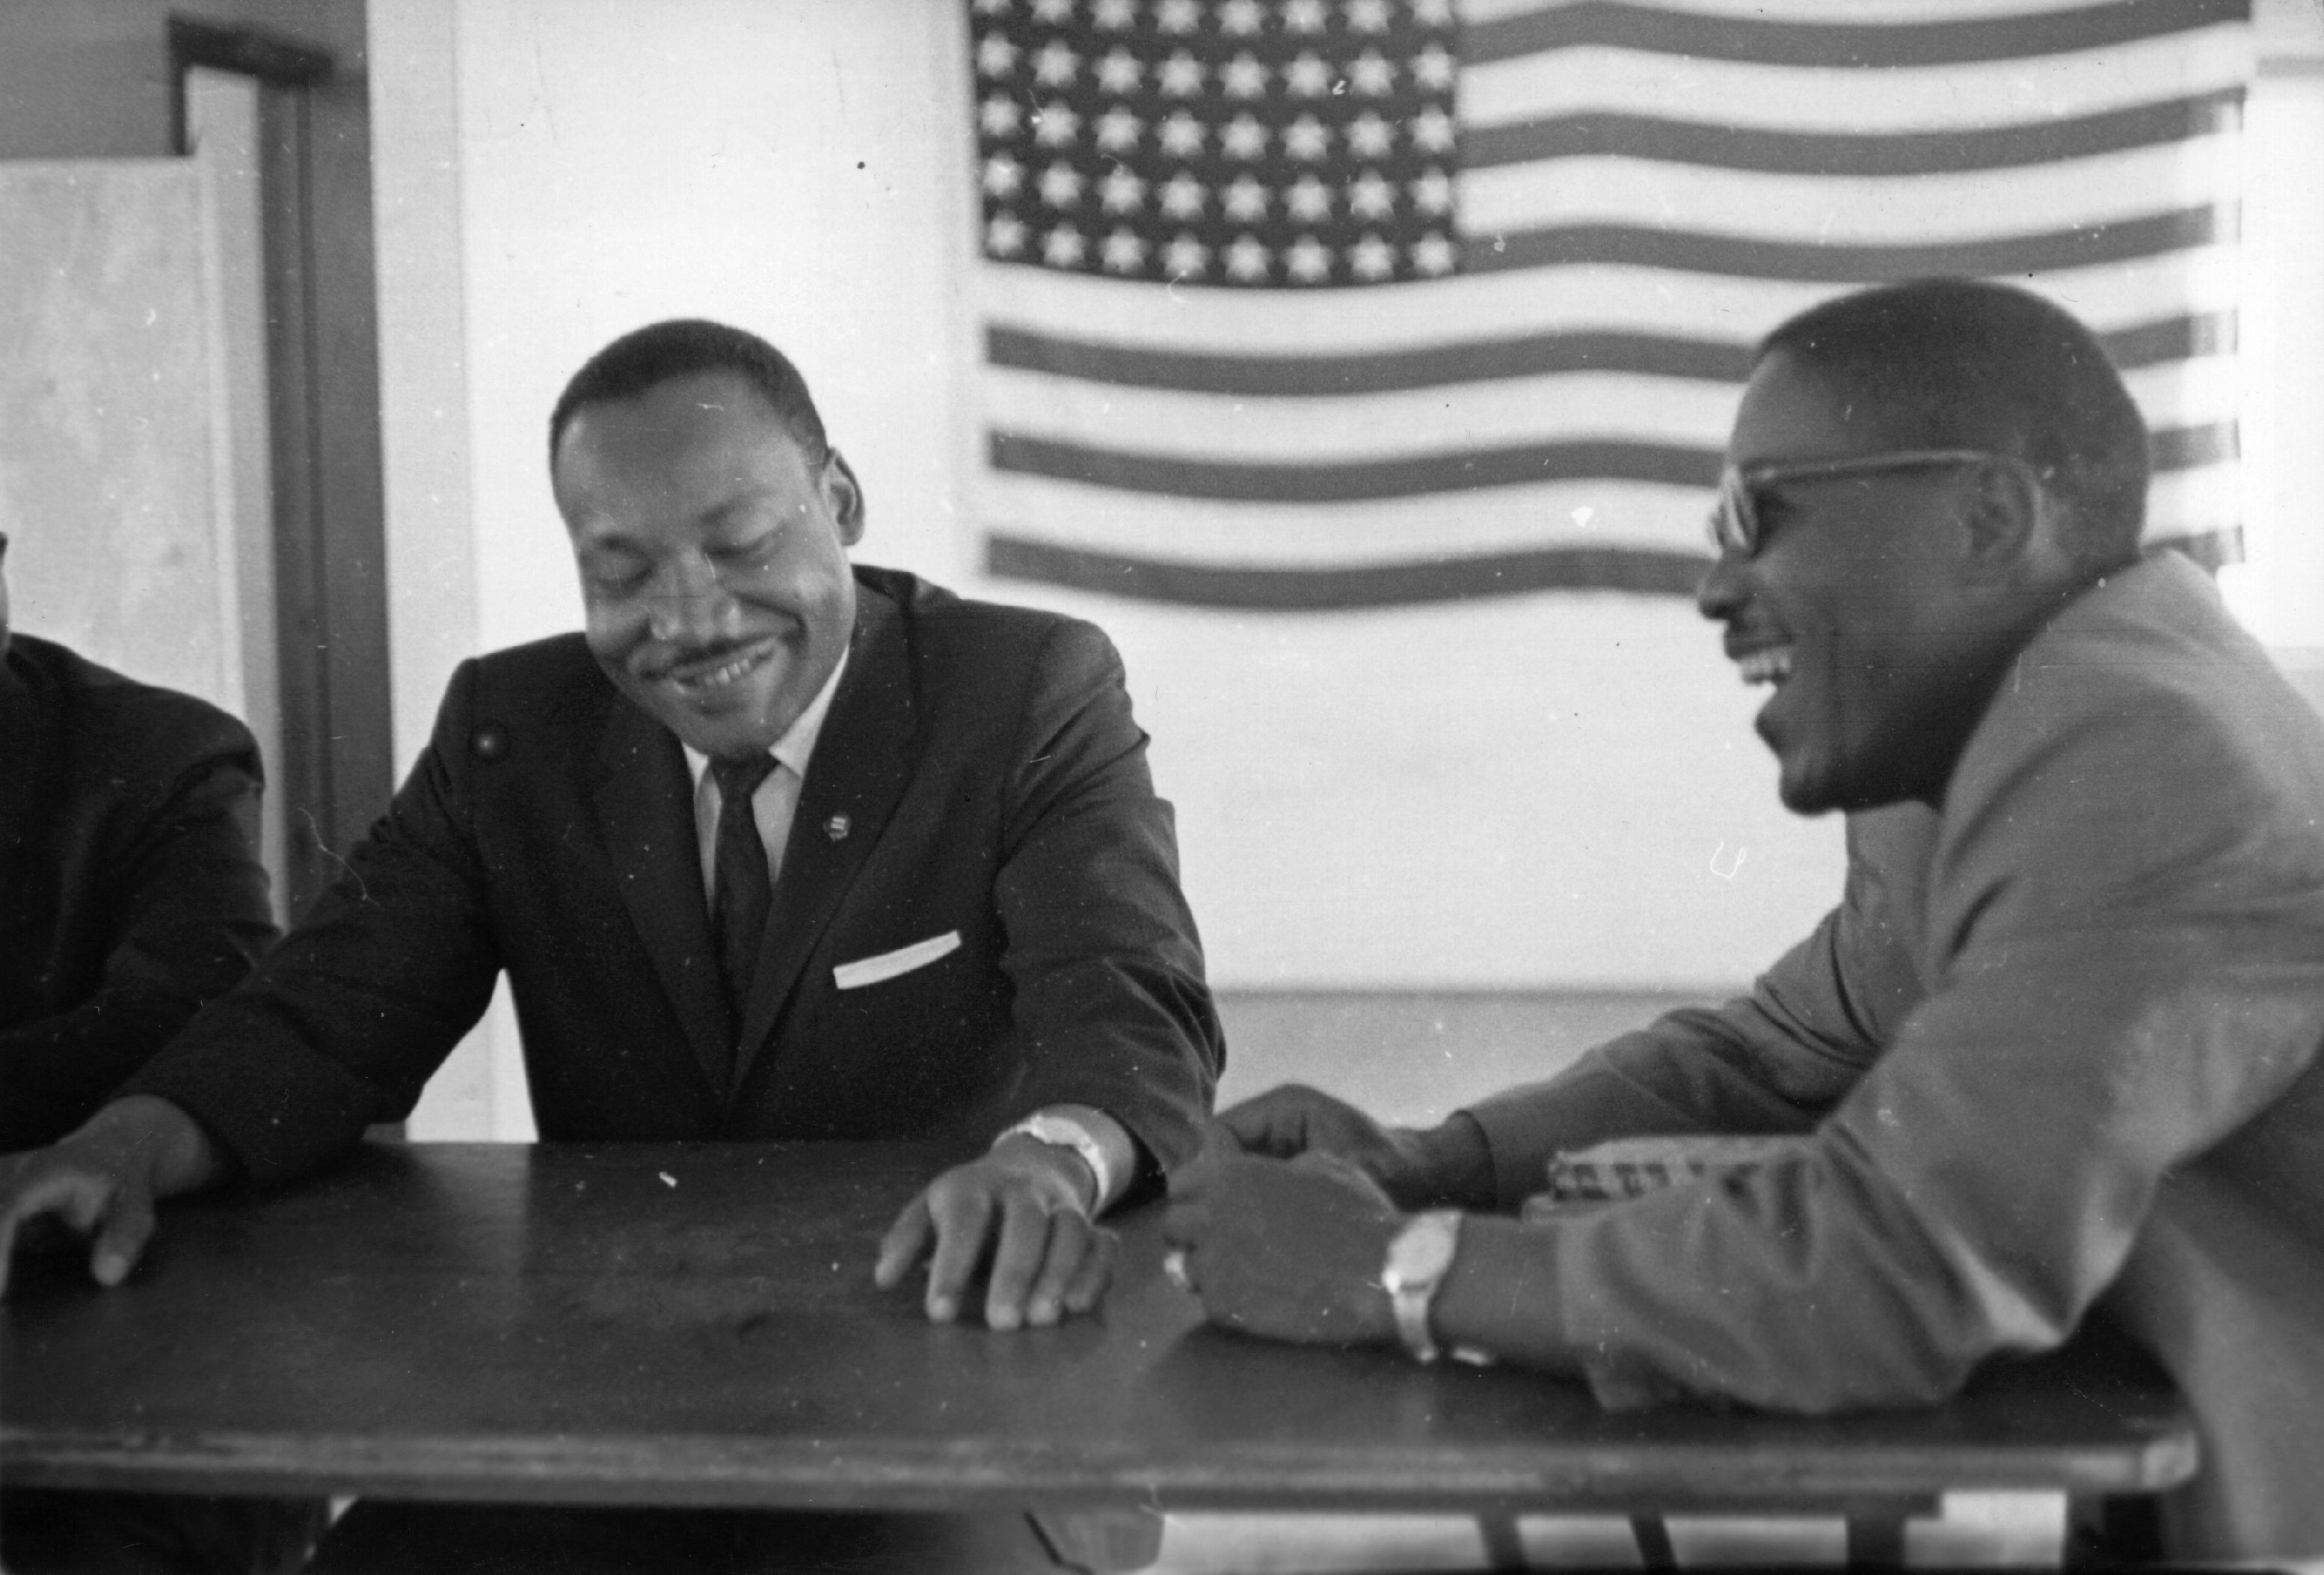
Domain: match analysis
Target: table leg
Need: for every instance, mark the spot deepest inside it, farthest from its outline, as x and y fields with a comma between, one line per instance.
x=2110, y=1530
x=1876, y=1541
x=1504, y=1548
x=1101, y=1542
x=1653, y=1539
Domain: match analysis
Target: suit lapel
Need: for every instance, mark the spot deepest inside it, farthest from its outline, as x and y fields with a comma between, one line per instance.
x=644, y=799
x=863, y=760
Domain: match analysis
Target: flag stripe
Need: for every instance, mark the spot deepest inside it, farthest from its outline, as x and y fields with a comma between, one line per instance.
x=1391, y=584
x=1587, y=511
x=1838, y=211
x=1606, y=135
x=2171, y=449
x=1615, y=24
x=1462, y=416
x=1935, y=99
x=1807, y=261
x=1343, y=481
x=1592, y=511
x=1348, y=481
x=1387, y=584
x=1378, y=372
x=2172, y=339
x=1416, y=316
x=2179, y=338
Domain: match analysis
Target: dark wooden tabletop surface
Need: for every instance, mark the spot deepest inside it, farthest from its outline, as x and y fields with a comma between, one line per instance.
x=698, y=1324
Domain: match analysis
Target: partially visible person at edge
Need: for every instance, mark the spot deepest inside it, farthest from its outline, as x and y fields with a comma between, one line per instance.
x=950, y=913
x=130, y=893
x=2056, y=1049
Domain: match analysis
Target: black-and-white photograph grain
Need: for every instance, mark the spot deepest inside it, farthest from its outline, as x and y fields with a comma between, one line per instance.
x=1216, y=786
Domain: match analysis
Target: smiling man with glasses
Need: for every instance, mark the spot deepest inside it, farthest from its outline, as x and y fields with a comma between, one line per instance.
x=2055, y=1051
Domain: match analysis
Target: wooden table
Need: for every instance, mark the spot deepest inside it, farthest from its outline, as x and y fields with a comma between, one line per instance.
x=698, y=1324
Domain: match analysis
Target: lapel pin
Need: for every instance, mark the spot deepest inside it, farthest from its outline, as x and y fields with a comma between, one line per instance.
x=838, y=827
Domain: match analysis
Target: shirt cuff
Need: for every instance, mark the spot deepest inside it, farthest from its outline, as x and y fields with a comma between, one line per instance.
x=1103, y=1144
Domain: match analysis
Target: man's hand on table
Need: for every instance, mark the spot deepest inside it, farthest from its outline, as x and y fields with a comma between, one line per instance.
x=1291, y=1249
x=100, y=1183
x=1449, y=1164
x=1027, y=1207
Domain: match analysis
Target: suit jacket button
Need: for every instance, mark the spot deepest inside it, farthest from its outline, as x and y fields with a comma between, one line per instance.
x=489, y=741
x=838, y=827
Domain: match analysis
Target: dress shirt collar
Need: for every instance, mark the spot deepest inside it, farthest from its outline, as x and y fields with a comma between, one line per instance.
x=795, y=748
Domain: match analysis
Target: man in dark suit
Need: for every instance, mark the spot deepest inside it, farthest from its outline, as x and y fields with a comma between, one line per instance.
x=961, y=921
x=130, y=893
x=130, y=886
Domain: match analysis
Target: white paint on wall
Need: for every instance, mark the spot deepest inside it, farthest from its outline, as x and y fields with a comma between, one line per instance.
x=113, y=471
x=2279, y=592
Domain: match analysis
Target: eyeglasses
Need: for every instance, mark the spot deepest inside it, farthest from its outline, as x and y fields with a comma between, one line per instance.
x=1735, y=523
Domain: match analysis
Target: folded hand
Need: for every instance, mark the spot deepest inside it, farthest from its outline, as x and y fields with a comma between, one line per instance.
x=1291, y=1250
x=1294, y=1121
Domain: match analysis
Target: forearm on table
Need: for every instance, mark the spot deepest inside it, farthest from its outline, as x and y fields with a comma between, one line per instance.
x=1452, y=1166
x=1111, y=1009
x=1106, y=1017
x=1695, y=1072
x=58, y=1070
x=179, y=1154
x=1804, y=1284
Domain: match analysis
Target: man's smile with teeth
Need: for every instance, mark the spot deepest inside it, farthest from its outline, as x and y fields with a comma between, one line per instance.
x=700, y=681
x=1769, y=664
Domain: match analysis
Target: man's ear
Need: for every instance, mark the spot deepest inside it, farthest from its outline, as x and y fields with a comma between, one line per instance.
x=2006, y=523
x=845, y=494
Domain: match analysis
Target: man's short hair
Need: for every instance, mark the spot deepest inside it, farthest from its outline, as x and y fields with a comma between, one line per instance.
x=1962, y=364
x=681, y=347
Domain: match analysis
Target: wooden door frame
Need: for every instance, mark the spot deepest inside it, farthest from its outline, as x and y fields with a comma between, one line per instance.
x=336, y=768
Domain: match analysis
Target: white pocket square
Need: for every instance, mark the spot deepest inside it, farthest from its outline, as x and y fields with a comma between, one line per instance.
x=866, y=971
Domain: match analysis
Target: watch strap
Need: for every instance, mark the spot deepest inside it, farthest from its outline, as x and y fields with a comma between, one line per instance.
x=1412, y=1299
x=1061, y=1131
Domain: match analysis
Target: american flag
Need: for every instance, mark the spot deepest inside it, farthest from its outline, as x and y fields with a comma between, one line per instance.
x=1317, y=303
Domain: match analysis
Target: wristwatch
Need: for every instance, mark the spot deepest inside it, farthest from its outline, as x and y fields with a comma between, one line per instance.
x=1419, y=1257
x=1065, y=1132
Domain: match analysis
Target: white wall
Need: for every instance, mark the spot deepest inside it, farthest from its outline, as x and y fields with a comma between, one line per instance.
x=115, y=461
x=2281, y=592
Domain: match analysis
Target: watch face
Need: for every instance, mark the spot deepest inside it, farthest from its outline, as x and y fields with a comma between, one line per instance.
x=1421, y=1252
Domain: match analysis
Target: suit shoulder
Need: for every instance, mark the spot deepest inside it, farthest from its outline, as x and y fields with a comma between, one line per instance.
x=946, y=626
x=127, y=724
x=542, y=689
x=560, y=658
x=556, y=674
x=2154, y=671
x=2145, y=757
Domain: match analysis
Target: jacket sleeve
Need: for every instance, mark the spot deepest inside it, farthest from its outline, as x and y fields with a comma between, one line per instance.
x=2130, y=938
x=188, y=917
x=1775, y=1061
x=1111, y=1009
x=346, y=1020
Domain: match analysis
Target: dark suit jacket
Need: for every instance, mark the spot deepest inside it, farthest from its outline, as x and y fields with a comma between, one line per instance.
x=130, y=886
x=992, y=783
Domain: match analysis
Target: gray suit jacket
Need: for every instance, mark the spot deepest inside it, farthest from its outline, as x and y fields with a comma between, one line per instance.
x=2058, y=1048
